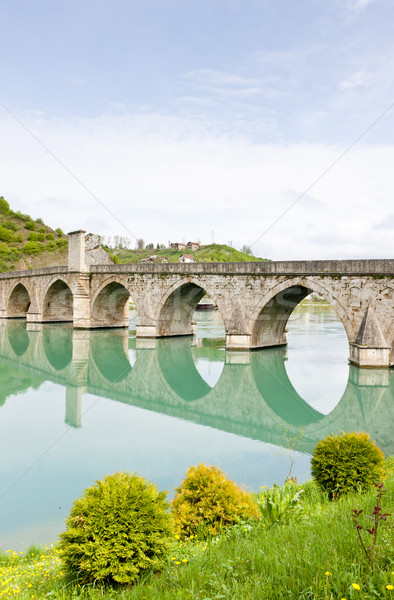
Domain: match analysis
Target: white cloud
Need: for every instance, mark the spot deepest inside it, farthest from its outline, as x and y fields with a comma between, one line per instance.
x=170, y=178
x=356, y=80
x=358, y=5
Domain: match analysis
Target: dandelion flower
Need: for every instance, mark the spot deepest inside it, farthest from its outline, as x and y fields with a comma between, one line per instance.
x=355, y=586
x=389, y=587
x=184, y=560
x=327, y=573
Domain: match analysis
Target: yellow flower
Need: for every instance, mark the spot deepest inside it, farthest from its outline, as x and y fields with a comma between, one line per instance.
x=356, y=586
x=177, y=562
x=327, y=573
x=184, y=560
x=177, y=537
x=389, y=587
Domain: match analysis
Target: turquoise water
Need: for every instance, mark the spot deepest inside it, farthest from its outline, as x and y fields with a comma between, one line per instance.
x=76, y=405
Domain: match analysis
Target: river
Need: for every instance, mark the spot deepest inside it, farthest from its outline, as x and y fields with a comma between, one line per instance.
x=77, y=405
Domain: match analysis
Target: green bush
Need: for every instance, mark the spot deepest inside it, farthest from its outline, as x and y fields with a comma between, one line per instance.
x=119, y=528
x=30, y=225
x=207, y=501
x=4, y=206
x=18, y=237
x=6, y=235
x=59, y=232
x=10, y=225
x=32, y=248
x=40, y=221
x=50, y=236
x=32, y=237
x=4, y=249
x=346, y=463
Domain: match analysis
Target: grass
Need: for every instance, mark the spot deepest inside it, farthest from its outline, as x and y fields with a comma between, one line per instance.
x=315, y=556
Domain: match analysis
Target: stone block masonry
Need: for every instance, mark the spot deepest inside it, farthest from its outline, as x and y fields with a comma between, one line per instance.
x=255, y=299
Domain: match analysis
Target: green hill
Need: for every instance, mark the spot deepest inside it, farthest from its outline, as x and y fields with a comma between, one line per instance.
x=209, y=253
x=28, y=244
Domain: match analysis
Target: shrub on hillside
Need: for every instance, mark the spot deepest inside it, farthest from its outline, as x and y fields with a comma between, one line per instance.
x=59, y=232
x=4, y=206
x=119, y=528
x=6, y=235
x=50, y=236
x=30, y=225
x=10, y=225
x=346, y=463
x=207, y=501
x=4, y=249
x=33, y=248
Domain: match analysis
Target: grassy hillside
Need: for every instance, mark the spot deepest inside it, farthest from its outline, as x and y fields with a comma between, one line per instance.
x=28, y=244
x=209, y=253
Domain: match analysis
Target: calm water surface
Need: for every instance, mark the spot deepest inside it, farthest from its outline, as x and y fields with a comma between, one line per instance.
x=77, y=405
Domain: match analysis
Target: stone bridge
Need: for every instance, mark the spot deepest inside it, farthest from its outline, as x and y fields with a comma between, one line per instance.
x=255, y=299
x=253, y=396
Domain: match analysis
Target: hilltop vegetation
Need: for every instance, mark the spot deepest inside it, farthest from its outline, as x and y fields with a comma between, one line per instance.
x=209, y=253
x=26, y=243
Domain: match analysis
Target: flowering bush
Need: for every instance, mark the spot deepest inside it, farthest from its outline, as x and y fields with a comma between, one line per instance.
x=207, y=501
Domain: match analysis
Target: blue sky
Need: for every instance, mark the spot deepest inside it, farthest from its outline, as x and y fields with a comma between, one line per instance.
x=203, y=120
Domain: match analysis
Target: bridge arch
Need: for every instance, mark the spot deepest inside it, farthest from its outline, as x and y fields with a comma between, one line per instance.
x=270, y=316
x=18, y=301
x=110, y=304
x=175, y=313
x=58, y=302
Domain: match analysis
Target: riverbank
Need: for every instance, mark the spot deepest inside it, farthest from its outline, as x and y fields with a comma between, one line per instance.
x=316, y=555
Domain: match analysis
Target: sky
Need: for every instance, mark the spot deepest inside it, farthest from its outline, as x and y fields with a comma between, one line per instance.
x=250, y=122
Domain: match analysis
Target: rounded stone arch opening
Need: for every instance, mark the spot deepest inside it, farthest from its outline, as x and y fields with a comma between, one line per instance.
x=175, y=314
x=18, y=302
x=58, y=303
x=269, y=319
x=110, y=305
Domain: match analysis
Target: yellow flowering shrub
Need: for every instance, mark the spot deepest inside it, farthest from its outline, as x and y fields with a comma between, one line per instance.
x=206, y=502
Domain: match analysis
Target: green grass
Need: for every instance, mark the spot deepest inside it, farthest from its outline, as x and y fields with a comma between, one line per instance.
x=316, y=556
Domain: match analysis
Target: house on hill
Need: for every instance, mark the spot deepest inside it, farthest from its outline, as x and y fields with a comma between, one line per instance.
x=193, y=246
x=187, y=258
x=177, y=245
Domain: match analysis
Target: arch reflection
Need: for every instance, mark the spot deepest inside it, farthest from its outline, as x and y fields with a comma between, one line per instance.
x=253, y=396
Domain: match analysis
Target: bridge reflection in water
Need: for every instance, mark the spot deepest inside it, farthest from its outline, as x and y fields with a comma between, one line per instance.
x=253, y=396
